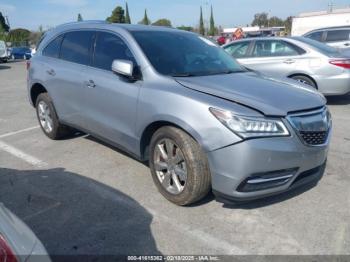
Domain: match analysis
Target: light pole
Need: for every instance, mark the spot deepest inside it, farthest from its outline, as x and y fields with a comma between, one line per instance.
x=206, y=15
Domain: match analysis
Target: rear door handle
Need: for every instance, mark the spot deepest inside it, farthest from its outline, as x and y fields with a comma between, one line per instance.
x=289, y=61
x=51, y=72
x=90, y=84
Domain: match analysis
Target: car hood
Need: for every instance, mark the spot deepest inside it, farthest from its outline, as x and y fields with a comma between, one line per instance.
x=271, y=97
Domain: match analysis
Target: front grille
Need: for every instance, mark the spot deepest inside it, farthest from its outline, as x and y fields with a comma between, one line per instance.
x=314, y=138
x=313, y=128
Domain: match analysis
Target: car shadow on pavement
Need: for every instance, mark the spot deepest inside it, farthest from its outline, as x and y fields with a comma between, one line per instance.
x=116, y=149
x=338, y=100
x=2, y=67
x=77, y=217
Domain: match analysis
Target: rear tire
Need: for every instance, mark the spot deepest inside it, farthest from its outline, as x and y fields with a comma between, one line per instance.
x=305, y=80
x=185, y=170
x=48, y=119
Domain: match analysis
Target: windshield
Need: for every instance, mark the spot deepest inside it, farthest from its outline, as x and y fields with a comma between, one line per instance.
x=323, y=48
x=184, y=54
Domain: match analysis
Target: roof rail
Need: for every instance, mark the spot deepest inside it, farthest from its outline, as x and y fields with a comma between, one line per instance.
x=85, y=22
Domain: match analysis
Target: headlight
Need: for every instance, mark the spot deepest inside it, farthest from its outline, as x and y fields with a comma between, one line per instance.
x=248, y=127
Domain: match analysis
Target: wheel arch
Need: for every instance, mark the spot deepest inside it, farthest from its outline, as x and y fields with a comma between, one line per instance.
x=149, y=130
x=305, y=75
x=35, y=90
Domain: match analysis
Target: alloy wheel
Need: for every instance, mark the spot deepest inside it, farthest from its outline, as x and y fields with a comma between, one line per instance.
x=45, y=117
x=170, y=166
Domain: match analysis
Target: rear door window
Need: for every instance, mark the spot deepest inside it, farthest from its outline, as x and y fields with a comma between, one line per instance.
x=337, y=35
x=274, y=48
x=108, y=48
x=53, y=48
x=76, y=47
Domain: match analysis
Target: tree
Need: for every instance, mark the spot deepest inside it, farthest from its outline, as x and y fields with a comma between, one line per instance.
x=145, y=20
x=261, y=19
x=117, y=16
x=80, y=18
x=212, y=29
x=127, y=16
x=288, y=24
x=35, y=36
x=4, y=27
x=186, y=28
x=276, y=21
x=162, y=22
x=19, y=36
x=201, y=24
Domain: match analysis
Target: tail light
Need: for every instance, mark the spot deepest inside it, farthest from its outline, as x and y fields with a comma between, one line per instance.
x=6, y=253
x=345, y=63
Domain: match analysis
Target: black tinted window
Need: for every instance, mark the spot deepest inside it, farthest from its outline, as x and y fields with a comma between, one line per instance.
x=178, y=53
x=76, y=46
x=338, y=35
x=316, y=36
x=108, y=48
x=53, y=49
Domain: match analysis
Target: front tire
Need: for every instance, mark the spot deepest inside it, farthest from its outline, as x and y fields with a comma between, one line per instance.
x=179, y=167
x=48, y=119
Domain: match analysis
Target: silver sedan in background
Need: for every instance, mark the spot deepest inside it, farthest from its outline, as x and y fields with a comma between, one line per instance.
x=305, y=60
x=17, y=242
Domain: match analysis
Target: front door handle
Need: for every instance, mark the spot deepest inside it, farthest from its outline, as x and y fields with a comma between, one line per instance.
x=51, y=72
x=289, y=61
x=90, y=84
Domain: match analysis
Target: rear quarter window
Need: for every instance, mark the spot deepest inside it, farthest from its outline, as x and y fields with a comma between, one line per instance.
x=316, y=36
x=53, y=48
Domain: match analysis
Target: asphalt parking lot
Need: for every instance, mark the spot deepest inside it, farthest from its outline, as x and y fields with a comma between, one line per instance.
x=80, y=196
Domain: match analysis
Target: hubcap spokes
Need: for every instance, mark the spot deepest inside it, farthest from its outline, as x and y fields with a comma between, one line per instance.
x=170, y=166
x=45, y=117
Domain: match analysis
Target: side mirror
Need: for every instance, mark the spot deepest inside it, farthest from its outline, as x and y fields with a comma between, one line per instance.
x=123, y=67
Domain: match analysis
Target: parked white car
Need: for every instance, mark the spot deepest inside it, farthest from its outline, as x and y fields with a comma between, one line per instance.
x=3, y=52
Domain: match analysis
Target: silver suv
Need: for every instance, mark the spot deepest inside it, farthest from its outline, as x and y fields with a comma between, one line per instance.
x=177, y=100
x=338, y=37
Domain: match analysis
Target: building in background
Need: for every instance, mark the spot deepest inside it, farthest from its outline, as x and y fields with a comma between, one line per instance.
x=307, y=22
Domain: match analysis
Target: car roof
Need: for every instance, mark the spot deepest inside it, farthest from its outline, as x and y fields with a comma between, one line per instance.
x=257, y=39
x=329, y=28
x=99, y=24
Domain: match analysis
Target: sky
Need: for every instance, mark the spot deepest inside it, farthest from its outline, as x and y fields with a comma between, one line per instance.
x=31, y=14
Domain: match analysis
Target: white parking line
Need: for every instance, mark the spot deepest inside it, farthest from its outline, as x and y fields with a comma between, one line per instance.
x=19, y=131
x=21, y=155
x=199, y=235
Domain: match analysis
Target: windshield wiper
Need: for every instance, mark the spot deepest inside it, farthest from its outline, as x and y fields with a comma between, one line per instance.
x=183, y=75
x=227, y=72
